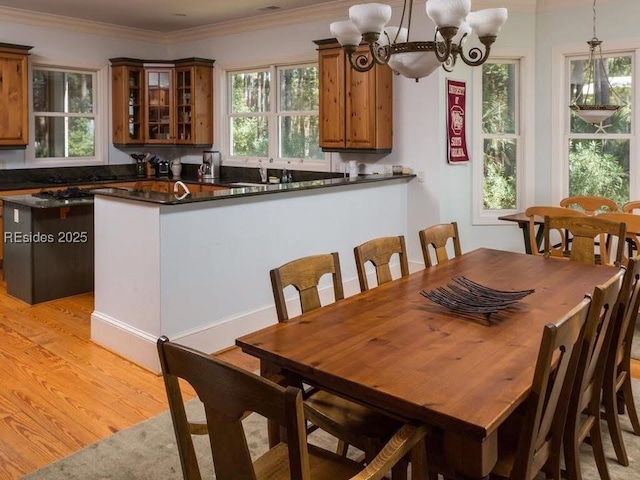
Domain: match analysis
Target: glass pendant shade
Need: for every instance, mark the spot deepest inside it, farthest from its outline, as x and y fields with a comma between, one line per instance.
x=370, y=17
x=414, y=64
x=487, y=22
x=346, y=33
x=594, y=114
x=448, y=13
x=589, y=101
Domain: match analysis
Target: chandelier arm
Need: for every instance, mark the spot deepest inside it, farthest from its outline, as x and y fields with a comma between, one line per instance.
x=443, y=49
x=476, y=57
x=450, y=63
x=361, y=62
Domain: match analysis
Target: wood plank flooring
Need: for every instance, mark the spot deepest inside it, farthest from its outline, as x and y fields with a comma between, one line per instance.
x=60, y=392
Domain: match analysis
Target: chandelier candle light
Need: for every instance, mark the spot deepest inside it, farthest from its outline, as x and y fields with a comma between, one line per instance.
x=585, y=105
x=393, y=46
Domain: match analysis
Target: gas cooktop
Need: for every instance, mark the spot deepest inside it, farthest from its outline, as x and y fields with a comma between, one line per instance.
x=65, y=194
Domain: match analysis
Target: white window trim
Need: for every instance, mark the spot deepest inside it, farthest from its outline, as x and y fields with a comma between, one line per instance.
x=559, y=117
x=525, y=182
x=223, y=133
x=102, y=116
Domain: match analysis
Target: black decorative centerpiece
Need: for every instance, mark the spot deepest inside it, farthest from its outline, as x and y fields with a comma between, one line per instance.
x=470, y=297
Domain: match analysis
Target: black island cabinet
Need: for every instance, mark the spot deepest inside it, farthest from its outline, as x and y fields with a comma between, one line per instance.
x=48, y=247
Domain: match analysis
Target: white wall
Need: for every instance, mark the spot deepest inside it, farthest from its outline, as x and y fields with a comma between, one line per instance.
x=419, y=120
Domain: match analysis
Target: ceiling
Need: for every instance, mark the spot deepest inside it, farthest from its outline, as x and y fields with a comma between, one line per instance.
x=165, y=17
x=162, y=16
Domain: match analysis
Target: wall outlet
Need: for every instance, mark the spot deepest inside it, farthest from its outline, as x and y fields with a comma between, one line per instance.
x=3, y=164
x=420, y=176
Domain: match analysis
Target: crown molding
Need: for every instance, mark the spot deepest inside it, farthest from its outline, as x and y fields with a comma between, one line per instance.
x=28, y=17
x=324, y=11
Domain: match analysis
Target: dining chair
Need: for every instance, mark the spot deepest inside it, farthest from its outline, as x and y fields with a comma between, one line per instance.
x=549, y=211
x=436, y=237
x=583, y=415
x=590, y=204
x=617, y=390
x=379, y=253
x=632, y=223
x=583, y=231
x=530, y=439
x=229, y=393
x=304, y=275
x=631, y=207
x=352, y=423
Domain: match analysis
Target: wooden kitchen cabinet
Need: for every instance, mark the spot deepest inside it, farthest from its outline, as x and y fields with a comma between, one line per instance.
x=14, y=95
x=127, y=105
x=356, y=109
x=159, y=103
x=194, y=102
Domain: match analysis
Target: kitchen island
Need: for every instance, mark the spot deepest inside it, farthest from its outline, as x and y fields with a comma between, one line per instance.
x=197, y=268
x=48, y=247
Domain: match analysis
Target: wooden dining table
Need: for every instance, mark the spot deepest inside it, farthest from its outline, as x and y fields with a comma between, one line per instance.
x=392, y=349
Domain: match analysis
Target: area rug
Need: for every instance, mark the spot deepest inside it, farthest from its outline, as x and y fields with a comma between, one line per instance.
x=148, y=451
x=635, y=346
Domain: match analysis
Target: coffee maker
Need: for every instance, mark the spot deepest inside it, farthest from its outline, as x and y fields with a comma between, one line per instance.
x=210, y=167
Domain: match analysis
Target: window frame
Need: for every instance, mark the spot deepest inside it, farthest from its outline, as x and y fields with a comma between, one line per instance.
x=560, y=122
x=273, y=159
x=100, y=115
x=524, y=135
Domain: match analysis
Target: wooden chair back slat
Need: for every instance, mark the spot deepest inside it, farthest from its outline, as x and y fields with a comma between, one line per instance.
x=584, y=231
x=583, y=418
x=590, y=204
x=549, y=211
x=379, y=252
x=617, y=374
x=631, y=207
x=436, y=237
x=228, y=393
x=542, y=428
x=304, y=275
x=632, y=224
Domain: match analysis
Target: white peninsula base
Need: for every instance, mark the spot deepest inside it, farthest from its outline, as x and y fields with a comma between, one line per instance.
x=199, y=272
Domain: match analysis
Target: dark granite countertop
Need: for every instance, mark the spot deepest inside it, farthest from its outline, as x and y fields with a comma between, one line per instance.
x=35, y=202
x=240, y=191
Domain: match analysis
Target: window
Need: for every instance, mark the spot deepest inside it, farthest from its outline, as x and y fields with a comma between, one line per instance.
x=273, y=113
x=499, y=147
x=66, y=120
x=599, y=156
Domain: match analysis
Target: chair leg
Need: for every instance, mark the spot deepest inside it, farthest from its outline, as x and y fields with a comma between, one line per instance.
x=572, y=452
x=598, y=449
x=631, y=406
x=342, y=448
x=610, y=402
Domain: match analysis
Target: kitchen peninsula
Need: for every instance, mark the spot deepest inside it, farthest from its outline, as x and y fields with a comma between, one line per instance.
x=197, y=268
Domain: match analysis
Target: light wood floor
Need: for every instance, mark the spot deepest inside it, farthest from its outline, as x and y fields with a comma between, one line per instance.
x=59, y=392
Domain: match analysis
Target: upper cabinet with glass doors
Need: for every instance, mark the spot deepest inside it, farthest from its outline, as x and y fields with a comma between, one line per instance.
x=162, y=103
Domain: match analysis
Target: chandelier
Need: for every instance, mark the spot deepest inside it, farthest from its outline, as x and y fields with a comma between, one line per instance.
x=395, y=47
x=588, y=103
